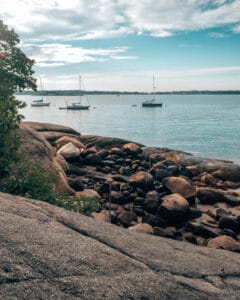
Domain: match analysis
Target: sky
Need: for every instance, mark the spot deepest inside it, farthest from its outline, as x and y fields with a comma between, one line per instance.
x=121, y=44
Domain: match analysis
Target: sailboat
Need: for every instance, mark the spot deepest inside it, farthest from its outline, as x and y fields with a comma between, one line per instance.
x=152, y=102
x=40, y=102
x=77, y=105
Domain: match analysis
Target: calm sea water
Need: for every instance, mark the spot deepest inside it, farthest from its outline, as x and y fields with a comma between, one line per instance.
x=200, y=124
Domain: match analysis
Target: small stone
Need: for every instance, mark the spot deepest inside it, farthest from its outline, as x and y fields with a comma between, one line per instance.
x=209, y=196
x=90, y=193
x=127, y=217
x=142, y=227
x=224, y=242
x=132, y=149
x=102, y=216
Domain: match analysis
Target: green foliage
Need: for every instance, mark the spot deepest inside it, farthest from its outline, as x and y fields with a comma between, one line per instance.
x=83, y=205
x=15, y=75
x=31, y=180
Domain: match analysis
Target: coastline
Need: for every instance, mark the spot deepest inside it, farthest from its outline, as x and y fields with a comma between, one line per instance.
x=154, y=190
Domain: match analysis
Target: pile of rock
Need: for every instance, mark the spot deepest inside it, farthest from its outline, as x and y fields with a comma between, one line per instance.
x=153, y=190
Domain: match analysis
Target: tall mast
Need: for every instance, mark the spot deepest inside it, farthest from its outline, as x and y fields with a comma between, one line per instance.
x=80, y=85
x=153, y=88
x=40, y=80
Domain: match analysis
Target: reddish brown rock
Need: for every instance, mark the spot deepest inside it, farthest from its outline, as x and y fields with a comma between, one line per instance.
x=102, y=216
x=142, y=227
x=224, y=242
x=132, y=149
x=69, y=151
x=179, y=185
x=88, y=193
x=141, y=179
x=68, y=139
x=173, y=207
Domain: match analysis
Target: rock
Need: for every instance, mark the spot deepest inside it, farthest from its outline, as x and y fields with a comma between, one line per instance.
x=209, y=196
x=194, y=213
x=153, y=220
x=102, y=216
x=179, y=185
x=69, y=151
x=228, y=172
x=141, y=179
x=118, y=198
x=220, y=212
x=126, y=171
x=89, y=193
x=132, y=149
x=50, y=127
x=227, y=222
x=116, y=151
x=76, y=183
x=52, y=136
x=127, y=218
x=208, y=179
x=92, y=159
x=62, y=162
x=120, y=178
x=169, y=232
x=98, y=260
x=151, y=201
x=142, y=227
x=189, y=237
x=232, y=200
x=203, y=230
x=173, y=207
x=68, y=139
x=224, y=242
x=103, y=153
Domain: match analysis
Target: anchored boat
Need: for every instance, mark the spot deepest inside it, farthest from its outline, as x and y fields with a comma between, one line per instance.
x=78, y=105
x=153, y=102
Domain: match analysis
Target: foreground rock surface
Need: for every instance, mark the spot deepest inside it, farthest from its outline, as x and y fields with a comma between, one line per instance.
x=50, y=253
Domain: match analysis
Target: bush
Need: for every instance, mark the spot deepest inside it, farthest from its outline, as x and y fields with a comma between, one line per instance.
x=32, y=181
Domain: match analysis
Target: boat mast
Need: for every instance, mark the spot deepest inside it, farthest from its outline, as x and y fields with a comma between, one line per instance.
x=80, y=91
x=153, y=92
x=40, y=80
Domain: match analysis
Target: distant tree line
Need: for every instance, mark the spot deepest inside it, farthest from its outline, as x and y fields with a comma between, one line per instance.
x=77, y=92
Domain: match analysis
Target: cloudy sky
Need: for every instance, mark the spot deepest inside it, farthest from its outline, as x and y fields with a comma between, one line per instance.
x=120, y=44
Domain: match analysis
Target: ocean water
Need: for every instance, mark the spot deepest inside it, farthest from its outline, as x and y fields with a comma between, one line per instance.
x=204, y=125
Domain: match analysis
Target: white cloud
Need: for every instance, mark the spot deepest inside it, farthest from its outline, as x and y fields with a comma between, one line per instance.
x=236, y=29
x=87, y=19
x=217, y=35
x=56, y=54
x=165, y=80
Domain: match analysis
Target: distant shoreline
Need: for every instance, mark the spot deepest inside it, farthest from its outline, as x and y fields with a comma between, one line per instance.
x=77, y=92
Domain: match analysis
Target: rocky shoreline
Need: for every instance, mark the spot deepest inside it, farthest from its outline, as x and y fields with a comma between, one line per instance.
x=152, y=190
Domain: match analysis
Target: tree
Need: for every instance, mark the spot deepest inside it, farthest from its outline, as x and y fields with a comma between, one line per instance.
x=15, y=75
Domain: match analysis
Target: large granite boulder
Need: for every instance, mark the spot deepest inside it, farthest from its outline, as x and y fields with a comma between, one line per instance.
x=179, y=185
x=50, y=253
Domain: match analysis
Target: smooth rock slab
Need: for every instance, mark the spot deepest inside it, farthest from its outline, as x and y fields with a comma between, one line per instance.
x=50, y=253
